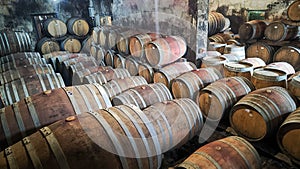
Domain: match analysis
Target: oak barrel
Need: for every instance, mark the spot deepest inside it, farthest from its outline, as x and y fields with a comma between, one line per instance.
x=278, y=31
x=231, y=152
x=61, y=58
x=145, y=70
x=117, y=86
x=71, y=44
x=232, y=69
x=188, y=84
x=78, y=26
x=77, y=77
x=109, y=58
x=253, y=29
x=28, y=115
x=123, y=40
x=293, y=11
x=54, y=27
x=106, y=75
x=166, y=74
x=220, y=38
x=138, y=42
x=264, y=77
x=288, y=136
x=294, y=86
x=288, y=54
x=216, y=23
x=216, y=62
x=217, y=98
x=165, y=50
x=119, y=61
x=144, y=95
x=19, y=56
x=283, y=66
x=24, y=71
x=131, y=65
x=47, y=45
x=261, y=50
x=97, y=52
x=259, y=114
x=21, y=88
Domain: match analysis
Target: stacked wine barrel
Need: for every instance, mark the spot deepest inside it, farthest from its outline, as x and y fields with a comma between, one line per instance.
x=66, y=36
x=14, y=42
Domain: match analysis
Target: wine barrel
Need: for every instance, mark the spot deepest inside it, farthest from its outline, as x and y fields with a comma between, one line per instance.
x=287, y=136
x=166, y=74
x=51, y=57
x=232, y=57
x=106, y=75
x=109, y=58
x=288, y=54
x=123, y=41
x=95, y=35
x=220, y=37
x=216, y=62
x=61, y=58
x=263, y=77
x=278, y=31
x=19, y=56
x=216, y=46
x=47, y=45
x=54, y=27
x=132, y=66
x=188, y=84
x=14, y=42
x=21, y=62
x=138, y=42
x=238, y=51
x=165, y=50
x=253, y=29
x=180, y=120
x=144, y=95
x=217, y=98
x=294, y=86
x=119, y=61
x=255, y=61
x=117, y=86
x=283, y=66
x=84, y=66
x=216, y=23
x=255, y=121
x=27, y=70
x=261, y=50
x=21, y=88
x=293, y=11
x=97, y=52
x=104, y=33
x=30, y=114
x=78, y=76
x=231, y=152
x=78, y=26
x=146, y=71
x=71, y=45
x=232, y=69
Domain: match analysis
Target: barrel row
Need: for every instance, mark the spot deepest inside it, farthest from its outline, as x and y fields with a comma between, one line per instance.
x=14, y=42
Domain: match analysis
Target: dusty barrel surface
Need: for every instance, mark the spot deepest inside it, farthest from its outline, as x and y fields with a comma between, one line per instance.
x=138, y=42
x=215, y=99
x=288, y=54
x=259, y=114
x=54, y=27
x=230, y=152
x=255, y=61
x=232, y=69
x=117, y=86
x=106, y=75
x=278, y=31
x=29, y=114
x=188, y=84
x=261, y=50
x=19, y=56
x=166, y=74
x=165, y=50
x=78, y=26
x=293, y=11
x=287, y=136
x=264, y=77
x=21, y=88
x=21, y=62
x=24, y=71
x=144, y=95
x=180, y=120
x=252, y=30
